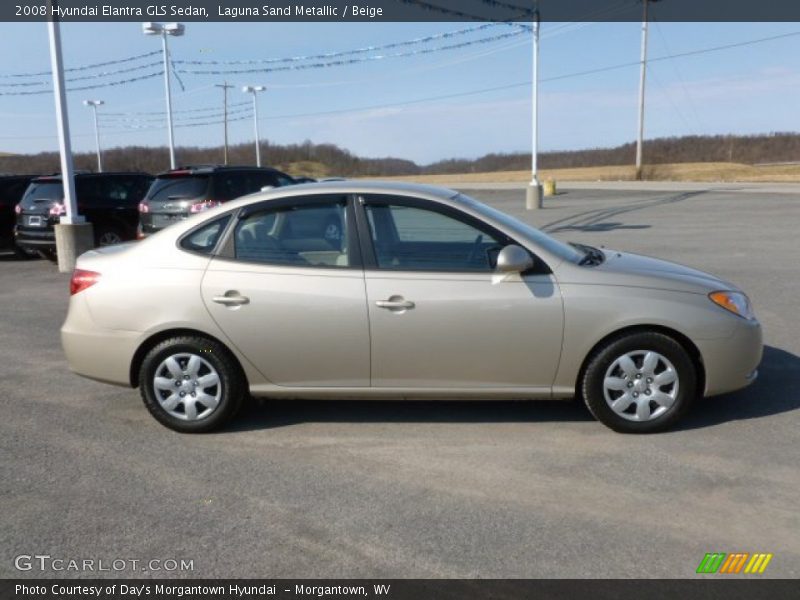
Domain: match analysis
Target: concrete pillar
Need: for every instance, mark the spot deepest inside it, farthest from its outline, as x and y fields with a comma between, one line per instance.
x=533, y=196
x=72, y=240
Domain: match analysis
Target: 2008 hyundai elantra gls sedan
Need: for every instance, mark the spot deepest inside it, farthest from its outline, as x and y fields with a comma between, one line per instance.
x=424, y=293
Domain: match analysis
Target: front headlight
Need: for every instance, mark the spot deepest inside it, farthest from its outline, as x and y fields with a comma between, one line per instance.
x=735, y=302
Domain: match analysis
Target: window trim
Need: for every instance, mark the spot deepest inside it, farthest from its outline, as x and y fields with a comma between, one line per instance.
x=227, y=245
x=230, y=216
x=368, y=247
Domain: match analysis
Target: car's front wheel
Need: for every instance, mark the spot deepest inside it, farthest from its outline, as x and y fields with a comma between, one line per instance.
x=639, y=383
x=191, y=384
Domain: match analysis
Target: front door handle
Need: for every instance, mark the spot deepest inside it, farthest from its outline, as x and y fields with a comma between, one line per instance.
x=231, y=299
x=395, y=303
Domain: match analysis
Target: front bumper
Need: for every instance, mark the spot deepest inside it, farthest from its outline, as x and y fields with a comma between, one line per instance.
x=732, y=363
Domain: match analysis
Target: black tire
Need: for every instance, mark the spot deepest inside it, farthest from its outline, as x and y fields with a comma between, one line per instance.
x=21, y=254
x=231, y=383
x=594, y=393
x=49, y=254
x=332, y=231
x=104, y=233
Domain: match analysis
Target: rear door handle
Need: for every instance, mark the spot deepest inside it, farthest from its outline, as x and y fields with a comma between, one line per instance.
x=231, y=299
x=394, y=303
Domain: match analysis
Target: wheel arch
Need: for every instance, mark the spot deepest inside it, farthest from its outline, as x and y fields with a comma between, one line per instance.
x=686, y=343
x=158, y=337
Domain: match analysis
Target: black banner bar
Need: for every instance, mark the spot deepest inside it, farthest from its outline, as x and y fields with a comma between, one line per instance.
x=709, y=587
x=397, y=10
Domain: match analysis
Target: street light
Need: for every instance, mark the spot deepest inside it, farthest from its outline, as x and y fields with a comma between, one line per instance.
x=254, y=89
x=533, y=197
x=94, y=104
x=175, y=30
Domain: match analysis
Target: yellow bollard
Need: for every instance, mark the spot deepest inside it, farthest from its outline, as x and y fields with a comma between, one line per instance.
x=550, y=187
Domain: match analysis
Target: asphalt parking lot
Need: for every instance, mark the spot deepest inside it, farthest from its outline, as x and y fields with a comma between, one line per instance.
x=423, y=489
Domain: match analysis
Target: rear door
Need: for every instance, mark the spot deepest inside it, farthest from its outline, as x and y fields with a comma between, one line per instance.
x=440, y=316
x=291, y=301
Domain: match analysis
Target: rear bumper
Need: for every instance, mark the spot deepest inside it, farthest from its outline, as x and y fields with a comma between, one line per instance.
x=150, y=223
x=35, y=239
x=94, y=352
x=732, y=363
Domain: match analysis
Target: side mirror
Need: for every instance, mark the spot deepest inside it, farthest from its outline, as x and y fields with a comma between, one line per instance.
x=514, y=259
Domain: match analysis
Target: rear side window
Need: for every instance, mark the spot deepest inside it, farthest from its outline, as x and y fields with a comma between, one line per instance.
x=178, y=188
x=307, y=235
x=205, y=239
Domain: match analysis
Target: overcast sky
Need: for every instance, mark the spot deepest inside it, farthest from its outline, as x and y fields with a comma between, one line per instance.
x=371, y=106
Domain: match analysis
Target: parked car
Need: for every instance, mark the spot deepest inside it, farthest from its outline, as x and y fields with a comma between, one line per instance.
x=427, y=294
x=107, y=200
x=179, y=193
x=12, y=187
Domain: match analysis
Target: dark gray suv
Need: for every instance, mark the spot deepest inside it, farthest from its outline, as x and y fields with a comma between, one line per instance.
x=176, y=194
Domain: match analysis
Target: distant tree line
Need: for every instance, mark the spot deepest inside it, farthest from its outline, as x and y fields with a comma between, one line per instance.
x=329, y=159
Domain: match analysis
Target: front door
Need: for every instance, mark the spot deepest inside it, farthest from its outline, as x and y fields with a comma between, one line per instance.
x=440, y=317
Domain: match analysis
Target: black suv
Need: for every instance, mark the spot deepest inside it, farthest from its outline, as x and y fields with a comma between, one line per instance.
x=12, y=187
x=109, y=201
x=181, y=192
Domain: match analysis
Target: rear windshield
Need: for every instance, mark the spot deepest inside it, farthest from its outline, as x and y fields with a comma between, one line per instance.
x=178, y=188
x=48, y=190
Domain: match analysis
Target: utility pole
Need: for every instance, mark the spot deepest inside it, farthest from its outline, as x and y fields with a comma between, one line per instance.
x=642, y=72
x=94, y=104
x=254, y=89
x=225, y=87
x=533, y=197
x=73, y=233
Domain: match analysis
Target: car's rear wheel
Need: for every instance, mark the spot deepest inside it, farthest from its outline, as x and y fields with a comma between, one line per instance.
x=23, y=254
x=639, y=383
x=191, y=384
x=107, y=236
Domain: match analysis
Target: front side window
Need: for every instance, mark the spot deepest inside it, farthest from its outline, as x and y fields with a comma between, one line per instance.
x=412, y=238
x=303, y=235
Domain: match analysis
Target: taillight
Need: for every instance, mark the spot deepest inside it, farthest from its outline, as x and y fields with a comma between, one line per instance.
x=18, y=209
x=144, y=207
x=81, y=280
x=58, y=209
x=205, y=205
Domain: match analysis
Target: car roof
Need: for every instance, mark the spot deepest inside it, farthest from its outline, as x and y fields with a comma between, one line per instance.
x=351, y=186
x=208, y=169
x=57, y=176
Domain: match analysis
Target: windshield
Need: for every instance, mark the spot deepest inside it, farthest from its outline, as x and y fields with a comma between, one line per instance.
x=552, y=245
x=173, y=188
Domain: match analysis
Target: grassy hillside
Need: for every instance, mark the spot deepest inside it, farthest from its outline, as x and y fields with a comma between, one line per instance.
x=706, y=172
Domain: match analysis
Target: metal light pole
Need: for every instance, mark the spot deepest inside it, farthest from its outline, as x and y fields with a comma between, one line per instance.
x=225, y=87
x=533, y=196
x=94, y=104
x=175, y=30
x=643, y=70
x=73, y=234
x=254, y=89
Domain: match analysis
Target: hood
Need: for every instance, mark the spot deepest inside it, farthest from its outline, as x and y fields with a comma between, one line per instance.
x=624, y=268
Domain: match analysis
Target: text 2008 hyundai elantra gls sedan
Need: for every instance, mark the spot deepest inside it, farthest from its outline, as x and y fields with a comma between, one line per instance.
x=423, y=293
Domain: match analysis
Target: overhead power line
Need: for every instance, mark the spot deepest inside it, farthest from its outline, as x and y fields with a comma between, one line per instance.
x=350, y=61
x=327, y=55
x=85, y=67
